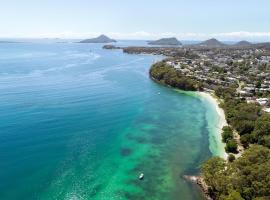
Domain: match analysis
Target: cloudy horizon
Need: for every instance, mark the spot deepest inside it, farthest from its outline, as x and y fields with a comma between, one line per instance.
x=144, y=20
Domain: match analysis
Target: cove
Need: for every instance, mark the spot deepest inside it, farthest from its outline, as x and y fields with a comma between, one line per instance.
x=81, y=122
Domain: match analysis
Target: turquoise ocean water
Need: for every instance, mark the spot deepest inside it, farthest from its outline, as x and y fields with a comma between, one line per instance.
x=80, y=122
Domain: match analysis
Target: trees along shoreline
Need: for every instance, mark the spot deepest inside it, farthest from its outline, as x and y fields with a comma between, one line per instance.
x=247, y=177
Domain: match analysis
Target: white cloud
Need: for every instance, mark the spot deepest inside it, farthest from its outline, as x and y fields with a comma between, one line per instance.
x=243, y=35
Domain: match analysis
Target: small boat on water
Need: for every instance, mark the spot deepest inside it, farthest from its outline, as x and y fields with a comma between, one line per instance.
x=141, y=176
x=158, y=93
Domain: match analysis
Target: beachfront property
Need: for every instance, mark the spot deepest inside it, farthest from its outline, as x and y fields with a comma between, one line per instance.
x=247, y=69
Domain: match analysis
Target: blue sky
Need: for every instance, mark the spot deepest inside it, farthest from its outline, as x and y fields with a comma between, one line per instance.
x=136, y=19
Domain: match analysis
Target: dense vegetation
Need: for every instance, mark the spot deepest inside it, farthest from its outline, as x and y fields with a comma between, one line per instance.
x=167, y=75
x=248, y=177
x=227, y=137
x=248, y=120
x=245, y=178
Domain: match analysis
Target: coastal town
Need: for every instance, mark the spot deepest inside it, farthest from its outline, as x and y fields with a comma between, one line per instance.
x=244, y=66
x=238, y=78
x=248, y=69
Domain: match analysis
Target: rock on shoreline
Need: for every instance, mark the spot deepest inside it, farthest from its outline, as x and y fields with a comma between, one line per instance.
x=201, y=183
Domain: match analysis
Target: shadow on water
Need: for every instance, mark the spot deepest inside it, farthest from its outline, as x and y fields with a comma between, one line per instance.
x=126, y=152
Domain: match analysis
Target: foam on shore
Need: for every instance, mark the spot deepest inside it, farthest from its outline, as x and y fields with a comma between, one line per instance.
x=215, y=125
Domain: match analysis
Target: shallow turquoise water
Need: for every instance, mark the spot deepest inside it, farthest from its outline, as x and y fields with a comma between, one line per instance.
x=79, y=122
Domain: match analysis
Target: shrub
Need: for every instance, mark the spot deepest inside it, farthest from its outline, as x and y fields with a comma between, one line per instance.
x=231, y=146
x=227, y=134
x=231, y=157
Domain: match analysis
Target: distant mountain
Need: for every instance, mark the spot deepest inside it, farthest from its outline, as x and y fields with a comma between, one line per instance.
x=165, y=41
x=99, y=39
x=212, y=43
x=243, y=43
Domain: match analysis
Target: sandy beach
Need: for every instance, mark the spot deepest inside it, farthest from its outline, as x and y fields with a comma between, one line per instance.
x=220, y=124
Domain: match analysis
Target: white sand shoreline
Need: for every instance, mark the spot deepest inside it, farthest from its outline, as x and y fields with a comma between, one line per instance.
x=221, y=121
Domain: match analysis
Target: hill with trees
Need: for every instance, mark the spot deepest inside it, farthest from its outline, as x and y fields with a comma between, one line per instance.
x=99, y=39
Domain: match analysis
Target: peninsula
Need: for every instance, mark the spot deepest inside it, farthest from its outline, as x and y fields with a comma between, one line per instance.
x=239, y=76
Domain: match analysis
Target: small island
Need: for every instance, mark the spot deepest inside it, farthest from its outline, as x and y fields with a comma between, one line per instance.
x=212, y=43
x=99, y=39
x=166, y=41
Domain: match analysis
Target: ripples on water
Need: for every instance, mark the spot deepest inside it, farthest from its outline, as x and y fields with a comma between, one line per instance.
x=80, y=122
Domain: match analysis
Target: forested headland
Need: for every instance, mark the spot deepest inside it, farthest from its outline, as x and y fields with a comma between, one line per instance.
x=167, y=75
x=247, y=177
x=243, y=178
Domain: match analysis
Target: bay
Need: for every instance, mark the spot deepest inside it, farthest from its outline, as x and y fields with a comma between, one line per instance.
x=81, y=122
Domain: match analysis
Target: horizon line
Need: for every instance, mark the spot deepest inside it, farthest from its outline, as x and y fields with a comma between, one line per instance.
x=142, y=35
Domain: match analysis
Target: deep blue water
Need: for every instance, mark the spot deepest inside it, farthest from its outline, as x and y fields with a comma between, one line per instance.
x=80, y=122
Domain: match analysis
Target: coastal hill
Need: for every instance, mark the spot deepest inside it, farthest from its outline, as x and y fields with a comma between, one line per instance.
x=212, y=43
x=243, y=43
x=99, y=39
x=165, y=41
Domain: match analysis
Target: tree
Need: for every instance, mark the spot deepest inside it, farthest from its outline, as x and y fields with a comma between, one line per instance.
x=265, y=141
x=234, y=195
x=245, y=140
x=211, y=169
x=168, y=75
x=244, y=126
x=231, y=157
x=231, y=146
x=248, y=177
x=261, y=131
x=227, y=134
x=253, y=172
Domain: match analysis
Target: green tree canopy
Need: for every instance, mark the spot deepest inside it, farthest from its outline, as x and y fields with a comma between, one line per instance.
x=248, y=176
